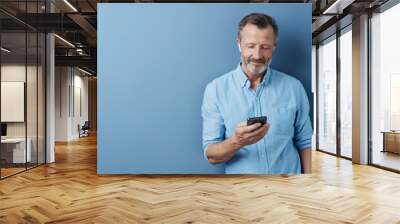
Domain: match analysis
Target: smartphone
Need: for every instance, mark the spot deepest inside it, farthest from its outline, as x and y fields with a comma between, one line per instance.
x=253, y=120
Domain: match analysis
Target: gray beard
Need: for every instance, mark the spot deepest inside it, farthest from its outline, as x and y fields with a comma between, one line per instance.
x=256, y=70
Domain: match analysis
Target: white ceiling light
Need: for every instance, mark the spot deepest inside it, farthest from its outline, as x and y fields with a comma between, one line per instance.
x=70, y=5
x=79, y=51
x=65, y=41
x=337, y=7
x=5, y=50
x=86, y=72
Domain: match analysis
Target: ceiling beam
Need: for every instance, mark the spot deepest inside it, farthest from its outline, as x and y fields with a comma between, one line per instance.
x=84, y=61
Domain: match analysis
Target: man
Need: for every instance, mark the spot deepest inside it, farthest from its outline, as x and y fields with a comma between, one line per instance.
x=283, y=144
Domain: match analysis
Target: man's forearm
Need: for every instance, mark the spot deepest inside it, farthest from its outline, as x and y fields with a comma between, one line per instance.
x=222, y=151
x=305, y=156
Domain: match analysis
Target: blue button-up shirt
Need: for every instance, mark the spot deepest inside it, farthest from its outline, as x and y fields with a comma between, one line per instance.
x=229, y=100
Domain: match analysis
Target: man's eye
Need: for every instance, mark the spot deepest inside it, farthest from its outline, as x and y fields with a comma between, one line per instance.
x=250, y=47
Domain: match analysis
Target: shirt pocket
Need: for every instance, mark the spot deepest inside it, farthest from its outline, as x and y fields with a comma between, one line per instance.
x=282, y=121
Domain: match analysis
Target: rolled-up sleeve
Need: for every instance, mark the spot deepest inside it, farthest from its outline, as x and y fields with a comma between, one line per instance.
x=303, y=129
x=213, y=123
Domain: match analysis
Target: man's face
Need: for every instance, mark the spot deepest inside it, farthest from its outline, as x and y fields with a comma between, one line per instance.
x=256, y=48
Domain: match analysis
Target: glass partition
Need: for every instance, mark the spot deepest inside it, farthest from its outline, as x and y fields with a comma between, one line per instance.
x=22, y=77
x=32, y=95
x=41, y=88
x=14, y=153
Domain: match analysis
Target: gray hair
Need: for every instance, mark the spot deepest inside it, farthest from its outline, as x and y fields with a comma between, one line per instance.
x=261, y=21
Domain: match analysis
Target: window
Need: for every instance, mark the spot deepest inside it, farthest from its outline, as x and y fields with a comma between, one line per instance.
x=327, y=96
x=385, y=89
x=346, y=75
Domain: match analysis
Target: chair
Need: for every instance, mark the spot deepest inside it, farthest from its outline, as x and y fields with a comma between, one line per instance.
x=84, y=130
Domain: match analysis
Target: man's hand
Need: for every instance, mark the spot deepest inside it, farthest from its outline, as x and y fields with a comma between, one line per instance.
x=247, y=135
x=244, y=135
x=306, y=160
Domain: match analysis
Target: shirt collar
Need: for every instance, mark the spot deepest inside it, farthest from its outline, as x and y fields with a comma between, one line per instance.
x=242, y=79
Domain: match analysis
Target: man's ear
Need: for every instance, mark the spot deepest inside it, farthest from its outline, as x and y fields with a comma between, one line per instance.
x=238, y=43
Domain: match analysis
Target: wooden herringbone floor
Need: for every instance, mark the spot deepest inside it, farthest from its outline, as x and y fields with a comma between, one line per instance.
x=70, y=191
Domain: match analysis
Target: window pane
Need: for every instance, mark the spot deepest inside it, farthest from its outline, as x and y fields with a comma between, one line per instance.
x=327, y=96
x=346, y=94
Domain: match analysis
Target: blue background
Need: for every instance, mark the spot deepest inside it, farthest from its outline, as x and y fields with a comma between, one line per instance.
x=154, y=61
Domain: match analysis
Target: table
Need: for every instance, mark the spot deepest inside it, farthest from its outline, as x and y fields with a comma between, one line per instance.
x=391, y=141
x=15, y=148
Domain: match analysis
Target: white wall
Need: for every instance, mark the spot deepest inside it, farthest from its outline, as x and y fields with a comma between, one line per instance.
x=61, y=103
x=70, y=84
x=9, y=73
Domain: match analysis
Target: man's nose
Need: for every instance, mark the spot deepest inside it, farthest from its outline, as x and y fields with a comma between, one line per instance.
x=257, y=54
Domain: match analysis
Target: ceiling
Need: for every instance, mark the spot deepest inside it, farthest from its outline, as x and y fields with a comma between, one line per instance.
x=76, y=22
